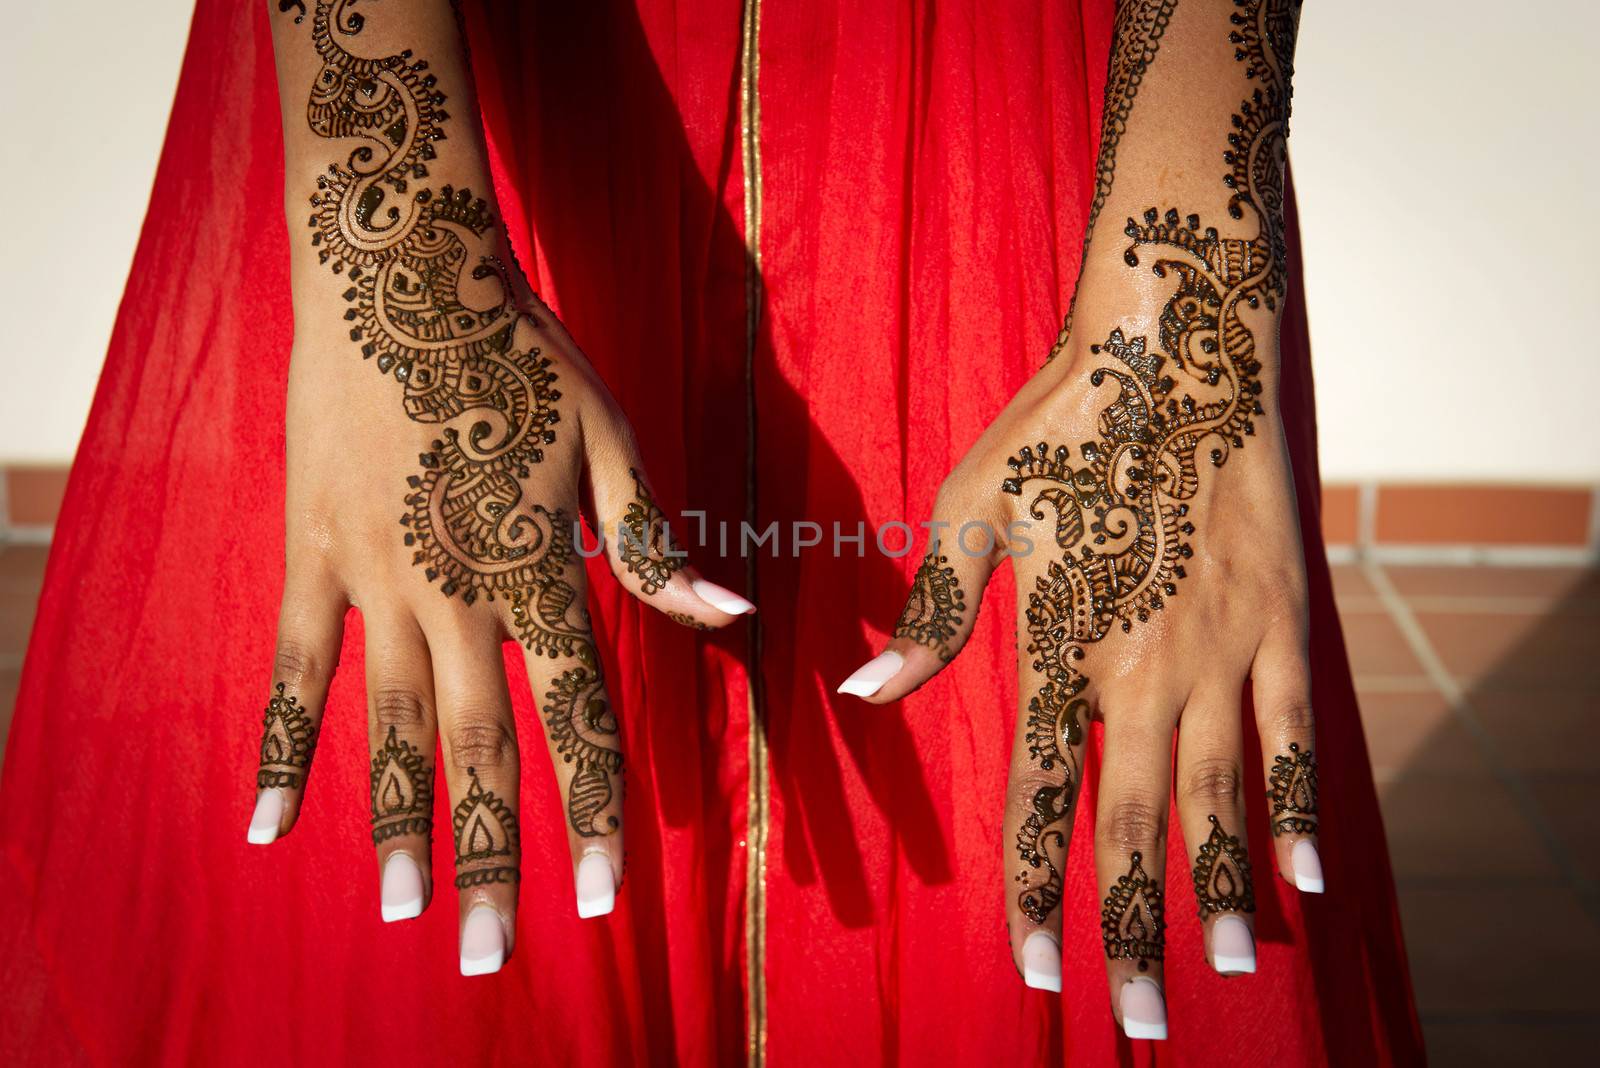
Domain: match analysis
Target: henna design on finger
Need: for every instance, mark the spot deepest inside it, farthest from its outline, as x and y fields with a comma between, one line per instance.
x=689, y=621
x=402, y=790
x=1293, y=792
x=487, y=845
x=1222, y=874
x=645, y=546
x=584, y=731
x=1132, y=919
x=934, y=608
x=1120, y=503
x=1040, y=843
x=1054, y=730
x=288, y=739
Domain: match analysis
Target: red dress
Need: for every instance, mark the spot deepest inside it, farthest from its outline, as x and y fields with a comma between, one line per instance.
x=809, y=309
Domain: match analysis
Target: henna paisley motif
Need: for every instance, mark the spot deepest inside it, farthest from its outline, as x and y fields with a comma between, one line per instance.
x=935, y=607
x=581, y=724
x=1119, y=504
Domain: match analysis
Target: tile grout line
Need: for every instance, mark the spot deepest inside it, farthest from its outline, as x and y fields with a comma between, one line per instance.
x=1521, y=795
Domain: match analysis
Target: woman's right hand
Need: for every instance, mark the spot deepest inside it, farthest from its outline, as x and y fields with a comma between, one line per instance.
x=452, y=534
x=442, y=427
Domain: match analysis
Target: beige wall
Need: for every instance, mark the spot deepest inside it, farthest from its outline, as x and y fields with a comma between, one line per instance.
x=1446, y=158
x=1444, y=151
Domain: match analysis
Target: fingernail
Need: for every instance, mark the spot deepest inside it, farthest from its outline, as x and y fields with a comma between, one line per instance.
x=1233, y=950
x=266, y=818
x=723, y=600
x=483, y=942
x=870, y=677
x=1144, y=1012
x=1041, y=962
x=1307, y=867
x=597, y=888
x=402, y=888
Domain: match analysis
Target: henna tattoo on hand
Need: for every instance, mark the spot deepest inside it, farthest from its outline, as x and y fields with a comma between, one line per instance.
x=1121, y=503
x=402, y=790
x=1132, y=919
x=646, y=547
x=935, y=608
x=284, y=6
x=288, y=739
x=1222, y=874
x=406, y=254
x=1293, y=792
x=689, y=621
x=487, y=847
x=584, y=729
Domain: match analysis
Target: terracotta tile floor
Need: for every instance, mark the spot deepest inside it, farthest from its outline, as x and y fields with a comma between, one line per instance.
x=1478, y=689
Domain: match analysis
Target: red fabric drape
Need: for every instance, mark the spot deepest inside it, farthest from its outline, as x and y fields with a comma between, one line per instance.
x=926, y=172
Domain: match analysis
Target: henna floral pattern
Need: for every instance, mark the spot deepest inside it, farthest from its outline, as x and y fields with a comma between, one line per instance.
x=935, y=608
x=486, y=837
x=1222, y=874
x=1121, y=502
x=288, y=737
x=1293, y=792
x=1133, y=918
x=584, y=730
x=646, y=547
x=411, y=255
x=402, y=790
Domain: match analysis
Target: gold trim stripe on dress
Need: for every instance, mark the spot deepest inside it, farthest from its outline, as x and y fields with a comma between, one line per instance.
x=758, y=787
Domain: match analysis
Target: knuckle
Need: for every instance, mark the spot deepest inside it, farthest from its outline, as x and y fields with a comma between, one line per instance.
x=1294, y=717
x=293, y=663
x=398, y=706
x=1214, y=782
x=482, y=742
x=1024, y=790
x=1131, y=823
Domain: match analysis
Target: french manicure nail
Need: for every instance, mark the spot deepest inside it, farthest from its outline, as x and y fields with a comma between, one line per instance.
x=870, y=677
x=483, y=942
x=402, y=888
x=597, y=889
x=1144, y=1011
x=1041, y=962
x=723, y=600
x=1233, y=950
x=266, y=818
x=1307, y=867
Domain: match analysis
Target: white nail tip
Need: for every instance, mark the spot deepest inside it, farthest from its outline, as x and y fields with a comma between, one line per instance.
x=402, y=888
x=723, y=600
x=483, y=942
x=1233, y=949
x=1144, y=1010
x=1307, y=868
x=265, y=820
x=597, y=888
x=1041, y=962
x=870, y=677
